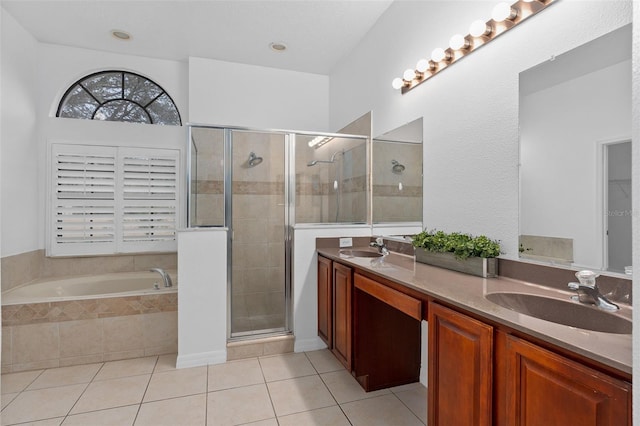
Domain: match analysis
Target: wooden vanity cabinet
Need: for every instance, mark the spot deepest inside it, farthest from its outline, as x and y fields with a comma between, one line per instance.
x=544, y=388
x=342, y=314
x=325, y=300
x=460, y=375
x=480, y=375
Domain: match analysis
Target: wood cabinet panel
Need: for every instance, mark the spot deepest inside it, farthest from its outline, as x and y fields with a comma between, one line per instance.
x=342, y=311
x=325, y=301
x=460, y=369
x=544, y=388
x=405, y=304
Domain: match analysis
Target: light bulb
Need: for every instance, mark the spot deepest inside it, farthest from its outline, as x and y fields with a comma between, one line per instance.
x=397, y=83
x=438, y=54
x=458, y=42
x=423, y=65
x=479, y=28
x=502, y=11
x=409, y=74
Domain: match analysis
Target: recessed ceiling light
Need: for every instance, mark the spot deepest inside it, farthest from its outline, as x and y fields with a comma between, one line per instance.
x=120, y=35
x=277, y=46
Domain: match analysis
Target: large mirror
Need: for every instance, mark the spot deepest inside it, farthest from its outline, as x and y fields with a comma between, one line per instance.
x=575, y=156
x=397, y=175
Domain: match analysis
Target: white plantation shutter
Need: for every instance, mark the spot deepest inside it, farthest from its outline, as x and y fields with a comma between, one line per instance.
x=149, y=198
x=113, y=200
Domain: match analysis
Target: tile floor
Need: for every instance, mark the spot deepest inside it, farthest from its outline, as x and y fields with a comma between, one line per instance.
x=309, y=388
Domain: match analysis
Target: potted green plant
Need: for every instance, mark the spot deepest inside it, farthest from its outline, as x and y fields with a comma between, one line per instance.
x=458, y=251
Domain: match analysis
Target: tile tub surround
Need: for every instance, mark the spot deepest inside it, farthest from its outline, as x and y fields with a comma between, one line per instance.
x=293, y=389
x=25, y=267
x=46, y=335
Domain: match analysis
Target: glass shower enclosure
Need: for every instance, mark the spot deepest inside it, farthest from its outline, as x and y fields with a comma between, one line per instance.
x=243, y=180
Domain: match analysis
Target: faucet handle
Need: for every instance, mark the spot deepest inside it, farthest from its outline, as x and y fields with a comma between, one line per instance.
x=380, y=241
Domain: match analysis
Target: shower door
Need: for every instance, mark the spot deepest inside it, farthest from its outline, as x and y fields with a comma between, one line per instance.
x=259, y=242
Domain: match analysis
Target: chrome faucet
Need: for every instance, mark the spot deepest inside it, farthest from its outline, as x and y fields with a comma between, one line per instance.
x=379, y=244
x=165, y=277
x=589, y=293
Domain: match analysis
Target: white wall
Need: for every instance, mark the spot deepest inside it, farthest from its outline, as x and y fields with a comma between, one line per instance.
x=470, y=110
x=561, y=131
x=232, y=94
x=58, y=68
x=202, y=297
x=19, y=170
x=305, y=280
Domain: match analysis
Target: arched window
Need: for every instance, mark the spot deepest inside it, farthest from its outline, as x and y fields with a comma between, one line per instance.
x=119, y=96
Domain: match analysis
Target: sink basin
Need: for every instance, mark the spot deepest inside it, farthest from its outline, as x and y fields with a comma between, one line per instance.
x=360, y=253
x=564, y=312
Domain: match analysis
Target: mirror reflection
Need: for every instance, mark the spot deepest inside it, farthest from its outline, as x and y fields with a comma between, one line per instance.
x=575, y=156
x=397, y=174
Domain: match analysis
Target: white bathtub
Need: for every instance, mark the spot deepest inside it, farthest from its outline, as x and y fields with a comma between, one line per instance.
x=89, y=287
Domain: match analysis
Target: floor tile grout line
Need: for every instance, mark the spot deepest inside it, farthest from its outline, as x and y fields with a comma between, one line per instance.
x=408, y=408
x=266, y=385
x=145, y=390
x=334, y=398
x=85, y=389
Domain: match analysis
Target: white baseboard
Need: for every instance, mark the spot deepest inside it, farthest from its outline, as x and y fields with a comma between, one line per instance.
x=199, y=359
x=313, y=344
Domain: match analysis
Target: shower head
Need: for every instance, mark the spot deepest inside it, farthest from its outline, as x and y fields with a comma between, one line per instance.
x=254, y=160
x=396, y=167
x=333, y=159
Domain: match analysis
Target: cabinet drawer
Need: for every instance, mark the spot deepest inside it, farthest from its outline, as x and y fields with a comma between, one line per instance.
x=400, y=301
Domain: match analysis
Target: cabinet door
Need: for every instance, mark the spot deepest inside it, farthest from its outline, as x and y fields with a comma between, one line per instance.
x=544, y=388
x=342, y=334
x=460, y=369
x=325, y=301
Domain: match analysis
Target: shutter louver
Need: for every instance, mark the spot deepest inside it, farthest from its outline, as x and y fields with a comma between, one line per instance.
x=84, y=222
x=110, y=200
x=149, y=178
x=146, y=222
x=85, y=176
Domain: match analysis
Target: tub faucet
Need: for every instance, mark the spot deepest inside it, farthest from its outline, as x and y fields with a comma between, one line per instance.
x=379, y=244
x=588, y=291
x=165, y=277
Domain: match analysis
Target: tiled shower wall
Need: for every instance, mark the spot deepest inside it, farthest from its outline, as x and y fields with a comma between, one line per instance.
x=258, y=275
x=318, y=201
x=390, y=203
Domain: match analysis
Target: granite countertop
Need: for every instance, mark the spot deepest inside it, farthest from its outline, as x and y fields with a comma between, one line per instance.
x=467, y=292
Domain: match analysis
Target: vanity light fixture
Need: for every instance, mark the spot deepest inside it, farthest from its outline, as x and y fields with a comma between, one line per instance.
x=503, y=11
x=458, y=42
x=503, y=17
x=439, y=55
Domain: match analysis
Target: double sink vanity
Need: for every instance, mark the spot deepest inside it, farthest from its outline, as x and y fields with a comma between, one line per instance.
x=501, y=351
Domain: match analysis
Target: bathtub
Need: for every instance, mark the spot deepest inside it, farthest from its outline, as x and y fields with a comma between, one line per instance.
x=89, y=287
x=88, y=319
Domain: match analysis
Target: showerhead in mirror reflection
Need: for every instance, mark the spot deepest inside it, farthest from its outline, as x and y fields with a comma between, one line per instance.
x=396, y=167
x=254, y=160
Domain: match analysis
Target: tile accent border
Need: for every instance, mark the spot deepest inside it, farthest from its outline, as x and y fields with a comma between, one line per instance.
x=73, y=310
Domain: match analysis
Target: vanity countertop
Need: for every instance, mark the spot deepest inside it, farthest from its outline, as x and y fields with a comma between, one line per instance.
x=467, y=292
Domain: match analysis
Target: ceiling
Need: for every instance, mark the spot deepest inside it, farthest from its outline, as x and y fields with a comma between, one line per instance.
x=318, y=33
